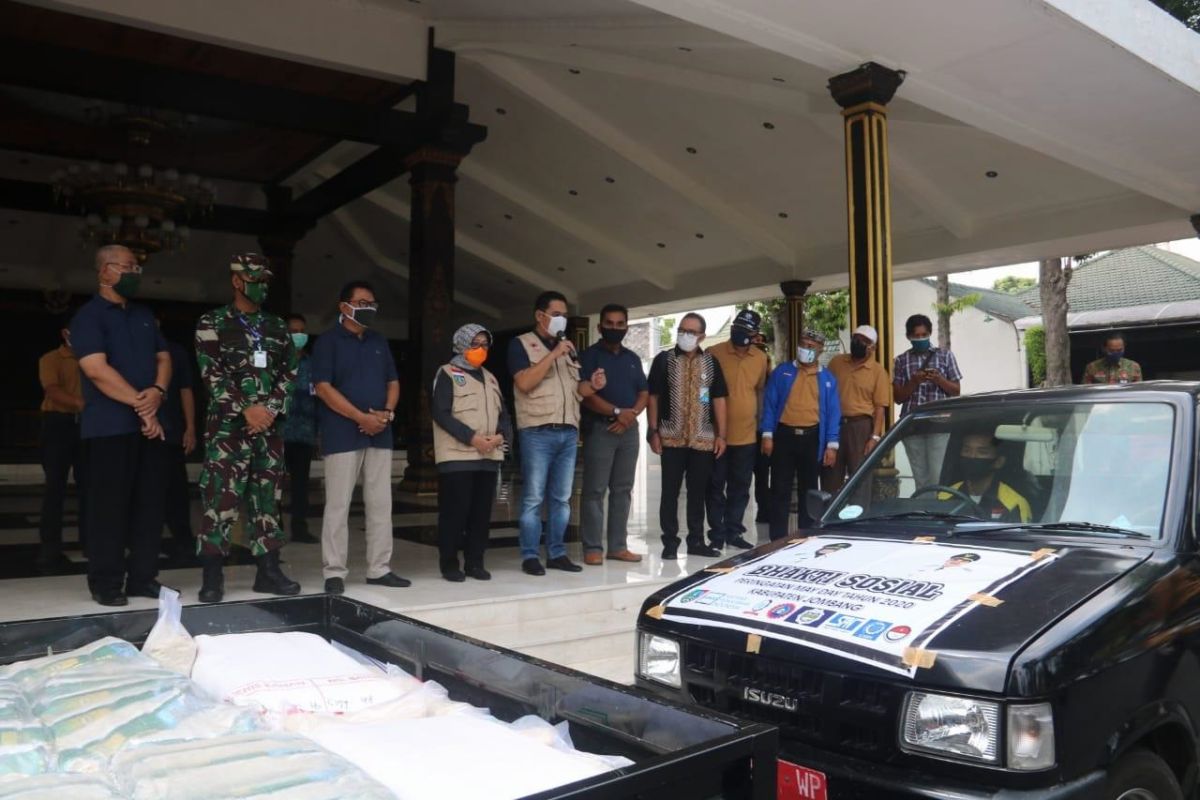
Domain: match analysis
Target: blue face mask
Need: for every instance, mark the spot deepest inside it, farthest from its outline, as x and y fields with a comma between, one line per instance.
x=920, y=345
x=299, y=339
x=806, y=355
x=1114, y=357
x=740, y=338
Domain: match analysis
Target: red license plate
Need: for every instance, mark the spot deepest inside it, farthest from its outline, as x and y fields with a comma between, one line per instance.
x=795, y=782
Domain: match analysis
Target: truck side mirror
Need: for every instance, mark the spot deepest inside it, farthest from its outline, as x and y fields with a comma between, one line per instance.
x=816, y=503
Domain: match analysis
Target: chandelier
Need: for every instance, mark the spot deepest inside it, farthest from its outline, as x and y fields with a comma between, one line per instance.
x=146, y=209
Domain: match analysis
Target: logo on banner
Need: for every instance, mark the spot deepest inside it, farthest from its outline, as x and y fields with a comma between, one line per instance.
x=693, y=595
x=780, y=611
x=898, y=633
x=810, y=617
x=873, y=629
x=845, y=622
x=759, y=605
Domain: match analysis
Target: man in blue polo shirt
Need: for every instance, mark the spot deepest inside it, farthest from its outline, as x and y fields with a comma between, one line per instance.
x=610, y=438
x=355, y=378
x=126, y=370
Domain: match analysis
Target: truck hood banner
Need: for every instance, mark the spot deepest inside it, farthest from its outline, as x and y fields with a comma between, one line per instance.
x=874, y=601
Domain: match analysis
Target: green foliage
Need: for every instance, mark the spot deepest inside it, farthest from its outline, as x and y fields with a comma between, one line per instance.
x=1186, y=11
x=957, y=304
x=666, y=331
x=826, y=312
x=1011, y=284
x=1035, y=354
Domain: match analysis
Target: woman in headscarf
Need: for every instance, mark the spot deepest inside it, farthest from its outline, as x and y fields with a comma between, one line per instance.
x=471, y=431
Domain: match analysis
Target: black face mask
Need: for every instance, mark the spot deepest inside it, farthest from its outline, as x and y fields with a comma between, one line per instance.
x=740, y=338
x=976, y=468
x=365, y=316
x=858, y=349
x=613, y=335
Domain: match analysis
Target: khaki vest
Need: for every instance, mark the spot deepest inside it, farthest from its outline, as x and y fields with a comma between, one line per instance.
x=477, y=405
x=554, y=401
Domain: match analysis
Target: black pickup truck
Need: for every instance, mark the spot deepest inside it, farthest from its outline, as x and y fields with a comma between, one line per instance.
x=1026, y=624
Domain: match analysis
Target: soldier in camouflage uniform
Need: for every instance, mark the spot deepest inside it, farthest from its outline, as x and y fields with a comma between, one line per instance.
x=248, y=364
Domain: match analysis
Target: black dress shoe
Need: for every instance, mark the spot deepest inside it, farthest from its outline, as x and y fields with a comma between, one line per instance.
x=702, y=550
x=563, y=563
x=390, y=579
x=739, y=543
x=454, y=575
x=150, y=590
x=110, y=597
x=479, y=574
x=531, y=566
x=335, y=586
x=670, y=552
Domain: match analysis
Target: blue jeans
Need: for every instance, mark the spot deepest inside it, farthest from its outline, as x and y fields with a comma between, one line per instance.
x=548, y=470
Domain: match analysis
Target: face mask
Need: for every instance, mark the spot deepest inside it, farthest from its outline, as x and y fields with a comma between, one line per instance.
x=475, y=356
x=127, y=285
x=556, y=325
x=613, y=335
x=858, y=350
x=299, y=339
x=740, y=338
x=687, y=342
x=255, y=292
x=806, y=355
x=363, y=316
x=976, y=468
x=920, y=345
x=1115, y=358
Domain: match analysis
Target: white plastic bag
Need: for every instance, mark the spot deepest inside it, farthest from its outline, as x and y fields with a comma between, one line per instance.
x=26, y=747
x=57, y=787
x=169, y=643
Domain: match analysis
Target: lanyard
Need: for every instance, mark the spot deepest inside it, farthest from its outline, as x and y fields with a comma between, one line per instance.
x=255, y=335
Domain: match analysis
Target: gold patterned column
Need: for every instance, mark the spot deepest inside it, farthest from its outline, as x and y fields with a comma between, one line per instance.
x=863, y=95
x=794, y=293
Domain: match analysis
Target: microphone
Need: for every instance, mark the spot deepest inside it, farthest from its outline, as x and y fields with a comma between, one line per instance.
x=562, y=337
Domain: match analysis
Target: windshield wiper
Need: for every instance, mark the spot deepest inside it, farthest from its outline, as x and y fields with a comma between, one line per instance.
x=938, y=515
x=1071, y=527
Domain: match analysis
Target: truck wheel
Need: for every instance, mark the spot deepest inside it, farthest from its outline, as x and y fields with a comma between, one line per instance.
x=1142, y=775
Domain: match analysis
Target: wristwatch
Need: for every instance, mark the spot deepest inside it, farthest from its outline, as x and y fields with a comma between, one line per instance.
x=616, y=411
x=161, y=390
x=391, y=415
x=876, y=437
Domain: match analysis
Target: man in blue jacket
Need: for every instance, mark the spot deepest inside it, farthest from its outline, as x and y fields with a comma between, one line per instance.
x=800, y=420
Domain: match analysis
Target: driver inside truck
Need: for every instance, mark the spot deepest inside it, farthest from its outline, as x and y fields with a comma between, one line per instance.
x=981, y=462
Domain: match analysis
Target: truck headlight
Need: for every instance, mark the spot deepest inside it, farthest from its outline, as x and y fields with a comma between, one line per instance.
x=658, y=659
x=1030, y=737
x=951, y=726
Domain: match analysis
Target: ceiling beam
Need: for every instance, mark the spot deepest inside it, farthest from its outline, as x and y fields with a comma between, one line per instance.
x=123, y=80
x=596, y=125
x=39, y=197
x=370, y=249
x=627, y=259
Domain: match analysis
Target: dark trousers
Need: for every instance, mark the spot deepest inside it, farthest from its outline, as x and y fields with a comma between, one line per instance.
x=60, y=457
x=853, y=437
x=609, y=465
x=126, y=499
x=464, y=516
x=762, y=484
x=696, y=466
x=297, y=458
x=178, y=511
x=729, y=493
x=793, y=463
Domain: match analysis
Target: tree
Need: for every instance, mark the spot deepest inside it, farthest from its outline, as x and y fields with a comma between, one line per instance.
x=947, y=308
x=1055, y=275
x=1035, y=354
x=825, y=312
x=1186, y=11
x=666, y=331
x=1012, y=284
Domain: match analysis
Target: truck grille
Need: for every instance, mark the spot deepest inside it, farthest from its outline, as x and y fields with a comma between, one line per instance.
x=828, y=710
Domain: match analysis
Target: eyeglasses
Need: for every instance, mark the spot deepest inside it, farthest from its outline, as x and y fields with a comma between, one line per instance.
x=136, y=269
x=693, y=332
x=363, y=304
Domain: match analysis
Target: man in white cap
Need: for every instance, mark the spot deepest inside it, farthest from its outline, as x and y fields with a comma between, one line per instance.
x=865, y=391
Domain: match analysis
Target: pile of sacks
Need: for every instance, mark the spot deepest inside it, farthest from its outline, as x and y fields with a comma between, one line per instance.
x=288, y=716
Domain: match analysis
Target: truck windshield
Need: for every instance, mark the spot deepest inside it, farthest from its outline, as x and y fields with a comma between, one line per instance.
x=1037, y=464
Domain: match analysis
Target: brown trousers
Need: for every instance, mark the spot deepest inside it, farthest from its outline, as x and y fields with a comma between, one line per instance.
x=852, y=444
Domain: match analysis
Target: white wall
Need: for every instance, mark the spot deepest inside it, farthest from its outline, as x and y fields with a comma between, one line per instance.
x=989, y=351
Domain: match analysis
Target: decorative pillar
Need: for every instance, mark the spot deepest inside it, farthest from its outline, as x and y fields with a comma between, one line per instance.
x=580, y=329
x=794, y=292
x=280, y=247
x=863, y=94
x=430, y=297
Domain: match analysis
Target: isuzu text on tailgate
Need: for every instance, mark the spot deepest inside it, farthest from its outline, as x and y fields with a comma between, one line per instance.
x=1023, y=624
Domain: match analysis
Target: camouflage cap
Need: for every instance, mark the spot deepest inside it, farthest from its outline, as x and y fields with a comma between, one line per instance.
x=814, y=335
x=252, y=265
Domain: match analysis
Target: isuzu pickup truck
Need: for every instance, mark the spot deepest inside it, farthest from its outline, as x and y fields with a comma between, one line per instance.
x=1020, y=621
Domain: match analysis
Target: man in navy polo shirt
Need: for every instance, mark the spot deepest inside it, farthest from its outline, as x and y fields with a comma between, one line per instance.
x=126, y=370
x=610, y=438
x=355, y=378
